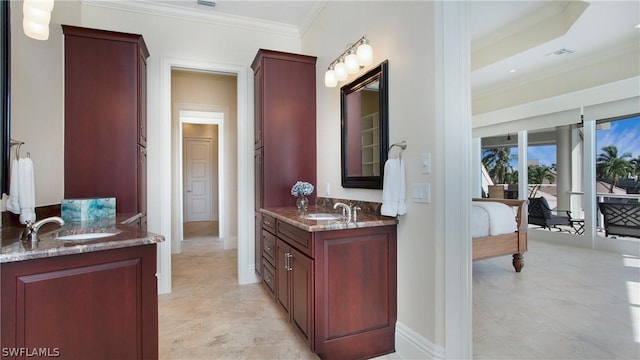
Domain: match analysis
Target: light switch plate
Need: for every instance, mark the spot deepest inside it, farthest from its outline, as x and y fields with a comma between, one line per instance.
x=421, y=193
x=426, y=163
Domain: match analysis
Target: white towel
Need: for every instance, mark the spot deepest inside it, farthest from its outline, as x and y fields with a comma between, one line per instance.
x=393, y=192
x=26, y=191
x=13, y=203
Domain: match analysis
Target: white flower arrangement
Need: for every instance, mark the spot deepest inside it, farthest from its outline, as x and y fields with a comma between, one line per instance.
x=301, y=188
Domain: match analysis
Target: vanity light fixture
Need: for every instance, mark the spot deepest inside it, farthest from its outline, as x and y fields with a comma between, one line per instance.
x=36, y=15
x=341, y=70
x=330, y=78
x=357, y=55
x=351, y=62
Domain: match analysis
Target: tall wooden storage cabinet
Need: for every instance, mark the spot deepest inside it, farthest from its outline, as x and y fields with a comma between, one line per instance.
x=285, y=130
x=105, y=117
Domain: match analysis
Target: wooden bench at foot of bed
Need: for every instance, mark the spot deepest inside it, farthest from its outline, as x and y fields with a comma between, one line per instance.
x=506, y=244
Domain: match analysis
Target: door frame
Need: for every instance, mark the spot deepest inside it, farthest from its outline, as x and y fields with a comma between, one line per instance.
x=186, y=115
x=167, y=206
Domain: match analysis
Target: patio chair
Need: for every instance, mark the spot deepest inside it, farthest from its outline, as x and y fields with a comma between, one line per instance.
x=621, y=219
x=541, y=214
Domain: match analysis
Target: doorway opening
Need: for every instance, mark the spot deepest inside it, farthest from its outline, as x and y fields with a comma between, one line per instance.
x=238, y=203
x=204, y=163
x=202, y=174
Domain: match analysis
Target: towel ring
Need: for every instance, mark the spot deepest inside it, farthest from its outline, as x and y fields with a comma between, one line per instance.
x=18, y=144
x=402, y=145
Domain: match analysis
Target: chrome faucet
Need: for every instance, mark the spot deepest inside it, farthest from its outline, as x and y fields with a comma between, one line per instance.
x=346, y=210
x=355, y=213
x=30, y=233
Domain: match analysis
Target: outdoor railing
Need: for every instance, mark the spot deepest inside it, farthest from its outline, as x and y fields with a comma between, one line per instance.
x=604, y=197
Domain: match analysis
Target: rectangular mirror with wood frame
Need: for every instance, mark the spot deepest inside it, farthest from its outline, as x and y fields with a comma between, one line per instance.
x=365, y=129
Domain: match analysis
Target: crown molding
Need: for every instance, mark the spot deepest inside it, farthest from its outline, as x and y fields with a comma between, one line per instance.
x=166, y=9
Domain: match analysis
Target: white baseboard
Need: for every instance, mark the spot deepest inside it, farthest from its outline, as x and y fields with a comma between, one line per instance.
x=250, y=277
x=411, y=345
x=230, y=243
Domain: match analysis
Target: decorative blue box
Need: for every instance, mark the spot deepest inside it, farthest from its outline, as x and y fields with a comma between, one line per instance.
x=74, y=210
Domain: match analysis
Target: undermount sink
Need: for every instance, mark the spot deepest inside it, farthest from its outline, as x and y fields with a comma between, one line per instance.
x=323, y=216
x=85, y=236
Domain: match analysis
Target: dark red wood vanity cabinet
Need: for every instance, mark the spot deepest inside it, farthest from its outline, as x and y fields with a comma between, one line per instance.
x=105, y=117
x=97, y=305
x=338, y=288
x=355, y=297
x=285, y=129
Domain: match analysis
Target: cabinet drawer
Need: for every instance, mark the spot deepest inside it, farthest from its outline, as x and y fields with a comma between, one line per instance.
x=296, y=237
x=268, y=246
x=269, y=223
x=269, y=278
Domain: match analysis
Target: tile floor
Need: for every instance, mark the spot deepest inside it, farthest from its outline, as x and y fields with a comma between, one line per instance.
x=567, y=303
x=209, y=316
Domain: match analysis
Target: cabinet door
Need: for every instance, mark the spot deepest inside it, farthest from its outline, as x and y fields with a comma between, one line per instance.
x=142, y=180
x=258, y=166
x=100, y=305
x=283, y=254
x=257, y=98
x=301, y=278
x=142, y=100
x=105, y=112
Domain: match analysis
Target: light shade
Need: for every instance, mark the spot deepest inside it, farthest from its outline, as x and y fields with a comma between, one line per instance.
x=351, y=63
x=36, y=15
x=341, y=71
x=35, y=30
x=330, y=78
x=365, y=54
x=36, y=18
x=44, y=5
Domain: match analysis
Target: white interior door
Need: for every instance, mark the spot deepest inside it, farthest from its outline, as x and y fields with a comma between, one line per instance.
x=198, y=180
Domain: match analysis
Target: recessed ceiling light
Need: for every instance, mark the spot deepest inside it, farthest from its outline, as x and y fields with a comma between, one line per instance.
x=512, y=70
x=637, y=26
x=562, y=51
x=207, y=3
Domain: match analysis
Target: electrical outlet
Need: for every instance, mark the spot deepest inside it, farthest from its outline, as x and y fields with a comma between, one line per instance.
x=421, y=193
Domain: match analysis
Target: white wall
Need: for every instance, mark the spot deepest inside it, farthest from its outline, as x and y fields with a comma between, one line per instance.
x=37, y=99
x=401, y=32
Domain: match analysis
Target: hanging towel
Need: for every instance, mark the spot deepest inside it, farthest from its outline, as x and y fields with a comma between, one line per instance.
x=26, y=190
x=13, y=203
x=393, y=188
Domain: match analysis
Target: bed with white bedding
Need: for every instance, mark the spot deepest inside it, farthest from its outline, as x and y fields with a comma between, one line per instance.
x=499, y=227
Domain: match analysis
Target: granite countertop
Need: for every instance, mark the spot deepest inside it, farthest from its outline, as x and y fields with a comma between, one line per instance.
x=48, y=246
x=293, y=216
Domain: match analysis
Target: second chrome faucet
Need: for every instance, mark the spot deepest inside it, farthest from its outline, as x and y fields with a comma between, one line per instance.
x=348, y=211
x=30, y=233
